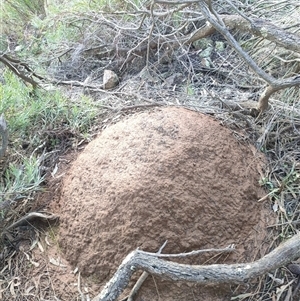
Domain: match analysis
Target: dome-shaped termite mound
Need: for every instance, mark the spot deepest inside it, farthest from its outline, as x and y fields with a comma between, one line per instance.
x=168, y=174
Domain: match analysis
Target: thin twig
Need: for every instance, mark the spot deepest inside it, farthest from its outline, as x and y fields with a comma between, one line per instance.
x=228, y=249
x=30, y=217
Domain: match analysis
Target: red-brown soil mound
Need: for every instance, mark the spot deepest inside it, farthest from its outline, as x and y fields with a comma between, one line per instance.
x=169, y=174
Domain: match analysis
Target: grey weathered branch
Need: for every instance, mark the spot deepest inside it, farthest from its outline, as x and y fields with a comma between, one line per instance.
x=142, y=278
x=215, y=273
x=261, y=28
x=4, y=135
x=257, y=27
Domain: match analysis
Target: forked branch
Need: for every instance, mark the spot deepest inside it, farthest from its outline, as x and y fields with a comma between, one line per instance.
x=256, y=27
x=215, y=273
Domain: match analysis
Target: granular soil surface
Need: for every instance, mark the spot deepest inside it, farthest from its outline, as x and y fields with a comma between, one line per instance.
x=167, y=174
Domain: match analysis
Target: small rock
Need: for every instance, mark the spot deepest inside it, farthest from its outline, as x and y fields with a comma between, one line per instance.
x=110, y=79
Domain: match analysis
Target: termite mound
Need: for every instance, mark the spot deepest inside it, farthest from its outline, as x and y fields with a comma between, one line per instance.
x=167, y=174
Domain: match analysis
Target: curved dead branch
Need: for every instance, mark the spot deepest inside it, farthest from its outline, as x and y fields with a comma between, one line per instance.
x=261, y=28
x=215, y=273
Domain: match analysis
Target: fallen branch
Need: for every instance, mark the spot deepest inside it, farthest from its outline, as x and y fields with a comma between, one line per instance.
x=215, y=273
x=142, y=278
x=260, y=28
x=257, y=27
